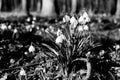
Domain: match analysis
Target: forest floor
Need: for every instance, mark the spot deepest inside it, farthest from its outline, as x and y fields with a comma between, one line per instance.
x=24, y=45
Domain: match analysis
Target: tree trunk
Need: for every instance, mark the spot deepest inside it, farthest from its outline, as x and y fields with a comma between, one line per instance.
x=0, y=4
x=118, y=9
x=38, y=6
x=23, y=5
x=48, y=8
x=74, y=6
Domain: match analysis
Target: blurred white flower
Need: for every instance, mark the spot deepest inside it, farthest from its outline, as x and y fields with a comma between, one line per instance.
x=28, y=20
x=15, y=30
x=60, y=39
x=25, y=53
x=22, y=72
x=81, y=20
x=28, y=27
x=9, y=27
x=33, y=22
x=34, y=18
x=33, y=25
x=51, y=29
x=66, y=18
x=4, y=77
x=85, y=14
x=12, y=61
x=73, y=22
x=37, y=28
x=42, y=29
x=3, y=26
x=102, y=52
x=118, y=74
x=84, y=18
x=88, y=54
x=85, y=27
x=59, y=32
x=31, y=48
x=117, y=46
x=80, y=28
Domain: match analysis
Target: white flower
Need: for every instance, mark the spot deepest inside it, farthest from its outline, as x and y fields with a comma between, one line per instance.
x=81, y=20
x=85, y=27
x=4, y=77
x=51, y=28
x=60, y=39
x=85, y=14
x=33, y=22
x=28, y=19
x=59, y=32
x=15, y=31
x=73, y=22
x=37, y=28
x=66, y=18
x=84, y=18
x=117, y=46
x=34, y=18
x=3, y=26
x=9, y=27
x=80, y=28
x=22, y=72
x=28, y=27
x=12, y=61
x=25, y=53
x=33, y=25
x=88, y=54
x=31, y=48
x=118, y=74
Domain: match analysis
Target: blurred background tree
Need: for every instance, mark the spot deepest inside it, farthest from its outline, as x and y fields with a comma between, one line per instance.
x=54, y=7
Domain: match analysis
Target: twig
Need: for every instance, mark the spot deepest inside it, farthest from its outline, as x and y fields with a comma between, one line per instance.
x=5, y=70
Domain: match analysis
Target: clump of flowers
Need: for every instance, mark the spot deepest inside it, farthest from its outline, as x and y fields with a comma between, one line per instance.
x=78, y=22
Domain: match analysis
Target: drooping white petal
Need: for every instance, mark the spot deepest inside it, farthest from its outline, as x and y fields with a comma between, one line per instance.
x=73, y=22
x=86, y=17
x=60, y=39
x=81, y=20
x=80, y=28
x=85, y=27
x=15, y=30
x=31, y=48
x=66, y=18
x=34, y=18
